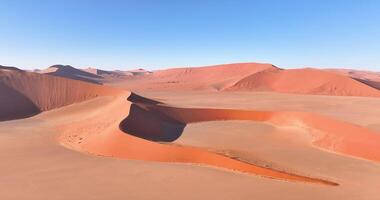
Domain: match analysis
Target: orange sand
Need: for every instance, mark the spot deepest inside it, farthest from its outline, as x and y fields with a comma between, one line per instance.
x=101, y=132
x=100, y=135
x=24, y=93
x=304, y=81
x=211, y=78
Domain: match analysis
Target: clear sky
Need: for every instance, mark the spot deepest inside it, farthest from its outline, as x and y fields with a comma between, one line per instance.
x=160, y=34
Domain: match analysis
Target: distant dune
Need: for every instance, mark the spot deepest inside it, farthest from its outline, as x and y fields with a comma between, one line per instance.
x=367, y=77
x=8, y=68
x=70, y=72
x=304, y=81
x=232, y=77
x=100, y=72
x=25, y=93
x=213, y=78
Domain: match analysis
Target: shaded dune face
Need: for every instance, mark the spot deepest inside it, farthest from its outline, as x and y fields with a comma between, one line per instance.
x=374, y=84
x=161, y=127
x=131, y=129
x=24, y=94
x=304, y=81
x=106, y=135
x=134, y=138
x=369, y=78
x=70, y=72
x=330, y=134
x=14, y=105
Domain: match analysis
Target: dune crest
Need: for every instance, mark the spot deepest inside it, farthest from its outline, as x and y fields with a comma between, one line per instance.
x=304, y=81
x=130, y=126
x=211, y=78
x=67, y=71
x=167, y=123
x=103, y=135
x=25, y=93
x=367, y=77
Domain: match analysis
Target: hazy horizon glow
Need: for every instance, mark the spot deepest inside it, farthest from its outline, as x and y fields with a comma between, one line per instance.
x=163, y=34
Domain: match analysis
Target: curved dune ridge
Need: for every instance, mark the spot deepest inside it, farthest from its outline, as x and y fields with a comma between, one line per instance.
x=329, y=133
x=304, y=81
x=24, y=94
x=367, y=77
x=213, y=78
x=103, y=135
x=129, y=129
x=165, y=124
x=100, y=131
x=70, y=72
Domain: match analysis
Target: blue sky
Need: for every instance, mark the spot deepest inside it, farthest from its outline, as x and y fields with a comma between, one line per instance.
x=161, y=34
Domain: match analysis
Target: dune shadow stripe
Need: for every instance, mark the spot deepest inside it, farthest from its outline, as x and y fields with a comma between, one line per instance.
x=15, y=105
x=160, y=128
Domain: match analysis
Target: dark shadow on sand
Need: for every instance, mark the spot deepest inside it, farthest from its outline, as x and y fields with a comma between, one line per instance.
x=151, y=125
x=15, y=105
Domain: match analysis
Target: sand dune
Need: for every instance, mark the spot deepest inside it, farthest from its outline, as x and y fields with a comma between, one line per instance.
x=359, y=74
x=330, y=134
x=367, y=77
x=8, y=68
x=101, y=135
x=168, y=122
x=104, y=121
x=232, y=77
x=213, y=78
x=25, y=93
x=70, y=72
x=304, y=81
x=109, y=77
x=101, y=72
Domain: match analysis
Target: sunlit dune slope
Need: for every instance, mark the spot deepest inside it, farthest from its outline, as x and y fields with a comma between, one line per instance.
x=25, y=93
x=103, y=135
x=148, y=120
x=304, y=81
x=367, y=77
x=328, y=133
x=212, y=78
x=70, y=72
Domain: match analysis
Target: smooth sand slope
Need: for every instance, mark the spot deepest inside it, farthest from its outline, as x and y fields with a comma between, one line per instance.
x=304, y=81
x=252, y=77
x=367, y=77
x=119, y=179
x=109, y=122
x=102, y=136
x=211, y=78
x=108, y=139
x=70, y=72
x=24, y=93
x=330, y=134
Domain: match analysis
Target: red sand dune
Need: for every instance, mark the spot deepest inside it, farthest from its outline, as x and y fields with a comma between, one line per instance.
x=100, y=72
x=70, y=72
x=25, y=93
x=165, y=121
x=329, y=134
x=213, y=78
x=360, y=74
x=304, y=81
x=367, y=77
x=101, y=135
x=101, y=132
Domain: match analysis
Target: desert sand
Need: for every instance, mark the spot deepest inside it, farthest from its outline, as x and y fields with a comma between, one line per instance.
x=236, y=131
